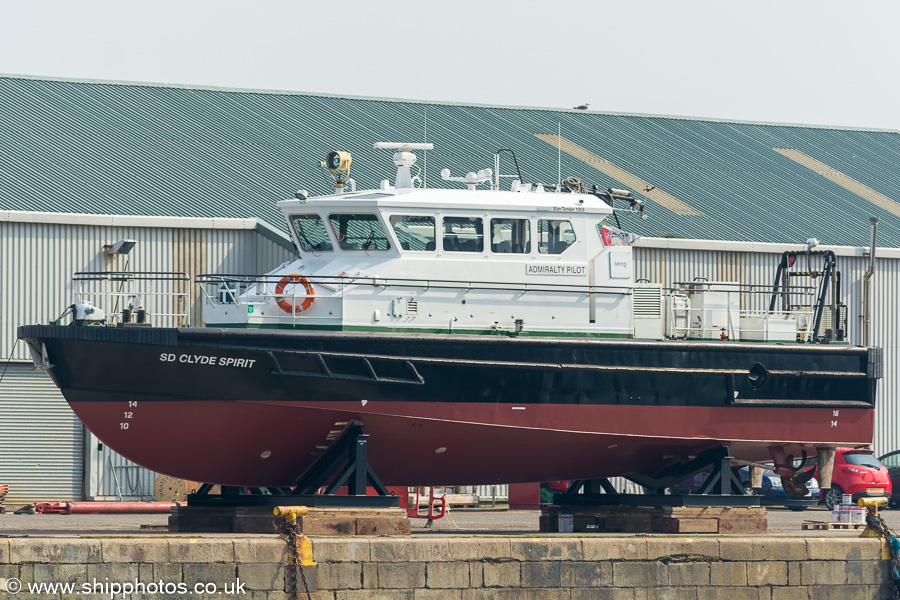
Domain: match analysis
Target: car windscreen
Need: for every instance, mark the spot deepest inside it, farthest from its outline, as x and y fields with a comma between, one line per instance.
x=861, y=459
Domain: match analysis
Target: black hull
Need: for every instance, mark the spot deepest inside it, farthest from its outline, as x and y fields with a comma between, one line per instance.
x=211, y=402
x=447, y=368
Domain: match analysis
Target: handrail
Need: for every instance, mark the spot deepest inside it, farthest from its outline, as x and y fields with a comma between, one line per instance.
x=209, y=278
x=250, y=279
x=130, y=276
x=807, y=332
x=114, y=287
x=742, y=287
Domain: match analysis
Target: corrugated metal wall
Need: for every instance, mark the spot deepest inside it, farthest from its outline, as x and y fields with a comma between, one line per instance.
x=41, y=441
x=886, y=333
x=110, y=476
x=37, y=261
x=667, y=266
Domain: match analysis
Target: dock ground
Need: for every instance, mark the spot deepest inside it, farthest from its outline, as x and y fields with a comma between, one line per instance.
x=781, y=522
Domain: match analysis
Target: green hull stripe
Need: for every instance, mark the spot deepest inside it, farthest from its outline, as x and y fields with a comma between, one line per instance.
x=411, y=330
x=458, y=331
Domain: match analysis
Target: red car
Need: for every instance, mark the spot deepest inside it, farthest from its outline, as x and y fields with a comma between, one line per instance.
x=856, y=472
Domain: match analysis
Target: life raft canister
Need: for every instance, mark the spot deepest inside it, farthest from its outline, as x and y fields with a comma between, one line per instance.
x=294, y=278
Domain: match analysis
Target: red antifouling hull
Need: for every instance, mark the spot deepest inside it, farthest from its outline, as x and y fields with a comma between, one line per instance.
x=271, y=444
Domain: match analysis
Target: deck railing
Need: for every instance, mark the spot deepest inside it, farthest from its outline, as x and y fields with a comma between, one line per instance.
x=230, y=286
x=756, y=294
x=162, y=295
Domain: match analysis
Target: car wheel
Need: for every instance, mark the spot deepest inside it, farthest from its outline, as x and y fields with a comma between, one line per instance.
x=833, y=497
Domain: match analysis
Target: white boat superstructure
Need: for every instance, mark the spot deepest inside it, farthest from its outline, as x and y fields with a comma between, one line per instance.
x=528, y=260
x=473, y=260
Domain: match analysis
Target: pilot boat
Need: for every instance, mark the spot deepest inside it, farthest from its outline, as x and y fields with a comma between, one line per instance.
x=477, y=335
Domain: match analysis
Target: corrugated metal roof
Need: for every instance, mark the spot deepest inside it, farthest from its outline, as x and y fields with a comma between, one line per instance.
x=148, y=149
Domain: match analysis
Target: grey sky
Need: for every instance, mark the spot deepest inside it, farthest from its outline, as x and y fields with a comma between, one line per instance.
x=794, y=61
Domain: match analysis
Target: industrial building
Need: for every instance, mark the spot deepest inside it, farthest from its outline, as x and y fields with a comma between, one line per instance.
x=192, y=176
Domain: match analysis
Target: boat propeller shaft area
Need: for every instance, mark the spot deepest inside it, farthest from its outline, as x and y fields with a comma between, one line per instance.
x=794, y=478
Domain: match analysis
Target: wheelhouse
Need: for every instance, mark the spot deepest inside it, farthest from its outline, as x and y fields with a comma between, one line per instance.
x=525, y=260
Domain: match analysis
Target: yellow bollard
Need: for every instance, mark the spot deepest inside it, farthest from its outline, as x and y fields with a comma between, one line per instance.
x=290, y=513
x=304, y=550
x=871, y=505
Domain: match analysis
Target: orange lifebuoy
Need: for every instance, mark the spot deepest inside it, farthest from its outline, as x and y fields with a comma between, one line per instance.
x=294, y=278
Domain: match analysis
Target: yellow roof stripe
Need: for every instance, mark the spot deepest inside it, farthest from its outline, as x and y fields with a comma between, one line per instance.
x=621, y=175
x=848, y=183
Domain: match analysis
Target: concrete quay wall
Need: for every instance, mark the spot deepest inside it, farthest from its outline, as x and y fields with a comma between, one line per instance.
x=463, y=568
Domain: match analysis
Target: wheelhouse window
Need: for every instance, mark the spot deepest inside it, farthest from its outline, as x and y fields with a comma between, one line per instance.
x=463, y=234
x=511, y=236
x=555, y=235
x=359, y=232
x=415, y=233
x=311, y=233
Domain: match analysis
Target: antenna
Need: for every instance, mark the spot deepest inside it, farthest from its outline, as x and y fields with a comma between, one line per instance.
x=559, y=156
x=425, y=167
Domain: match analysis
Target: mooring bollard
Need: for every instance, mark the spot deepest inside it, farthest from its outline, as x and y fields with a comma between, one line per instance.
x=300, y=553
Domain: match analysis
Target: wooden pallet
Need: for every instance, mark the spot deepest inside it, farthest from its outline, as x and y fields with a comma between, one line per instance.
x=660, y=519
x=319, y=521
x=824, y=526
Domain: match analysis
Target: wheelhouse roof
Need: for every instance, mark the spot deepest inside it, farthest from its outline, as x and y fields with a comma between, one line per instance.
x=435, y=200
